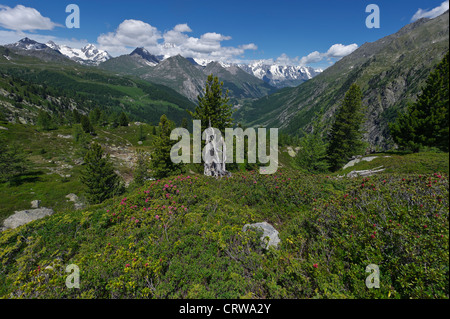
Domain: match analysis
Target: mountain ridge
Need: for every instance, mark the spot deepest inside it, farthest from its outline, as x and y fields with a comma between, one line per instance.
x=390, y=72
x=187, y=76
x=28, y=86
x=251, y=81
x=87, y=55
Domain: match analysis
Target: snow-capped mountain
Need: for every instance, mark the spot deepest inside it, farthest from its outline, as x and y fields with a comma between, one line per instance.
x=275, y=74
x=27, y=44
x=205, y=62
x=280, y=75
x=89, y=54
x=145, y=56
x=35, y=49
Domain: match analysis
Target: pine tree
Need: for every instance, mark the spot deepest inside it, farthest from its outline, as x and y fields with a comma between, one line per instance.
x=141, y=173
x=86, y=125
x=77, y=133
x=12, y=161
x=76, y=116
x=103, y=119
x=44, y=121
x=123, y=119
x=2, y=117
x=161, y=163
x=345, y=137
x=425, y=123
x=142, y=136
x=98, y=176
x=213, y=105
x=94, y=116
x=313, y=150
x=114, y=120
x=184, y=123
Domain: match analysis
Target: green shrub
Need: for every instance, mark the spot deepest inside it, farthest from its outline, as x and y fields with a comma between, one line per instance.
x=181, y=237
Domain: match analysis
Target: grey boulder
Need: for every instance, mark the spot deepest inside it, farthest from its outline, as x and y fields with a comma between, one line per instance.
x=25, y=216
x=269, y=237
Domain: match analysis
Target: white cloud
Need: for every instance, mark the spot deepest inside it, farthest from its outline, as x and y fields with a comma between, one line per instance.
x=250, y=46
x=336, y=51
x=433, y=13
x=340, y=50
x=130, y=33
x=284, y=59
x=207, y=46
x=134, y=33
x=313, y=57
x=214, y=37
x=21, y=18
x=182, y=28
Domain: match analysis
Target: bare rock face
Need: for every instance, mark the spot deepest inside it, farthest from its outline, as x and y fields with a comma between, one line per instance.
x=25, y=216
x=269, y=237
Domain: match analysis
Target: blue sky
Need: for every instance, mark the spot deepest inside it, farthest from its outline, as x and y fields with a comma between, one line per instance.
x=315, y=33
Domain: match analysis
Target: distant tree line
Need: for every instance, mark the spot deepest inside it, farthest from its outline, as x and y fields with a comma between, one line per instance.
x=57, y=92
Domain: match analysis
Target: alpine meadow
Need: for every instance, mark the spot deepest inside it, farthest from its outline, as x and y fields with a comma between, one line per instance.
x=94, y=206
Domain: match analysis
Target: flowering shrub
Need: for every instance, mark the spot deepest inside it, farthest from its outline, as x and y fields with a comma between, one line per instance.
x=181, y=237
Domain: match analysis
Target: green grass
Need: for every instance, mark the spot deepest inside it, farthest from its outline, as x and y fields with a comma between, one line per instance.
x=49, y=189
x=181, y=237
x=46, y=150
x=401, y=163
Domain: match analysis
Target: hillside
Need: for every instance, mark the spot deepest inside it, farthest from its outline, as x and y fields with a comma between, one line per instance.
x=55, y=161
x=390, y=71
x=188, y=78
x=29, y=84
x=127, y=64
x=179, y=74
x=181, y=237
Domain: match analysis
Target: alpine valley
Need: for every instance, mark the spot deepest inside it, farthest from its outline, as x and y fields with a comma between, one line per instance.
x=391, y=72
x=95, y=205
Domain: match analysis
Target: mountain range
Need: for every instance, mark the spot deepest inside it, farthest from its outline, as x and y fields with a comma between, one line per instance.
x=30, y=84
x=185, y=75
x=279, y=75
x=276, y=75
x=88, y=55
x=391, y=73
